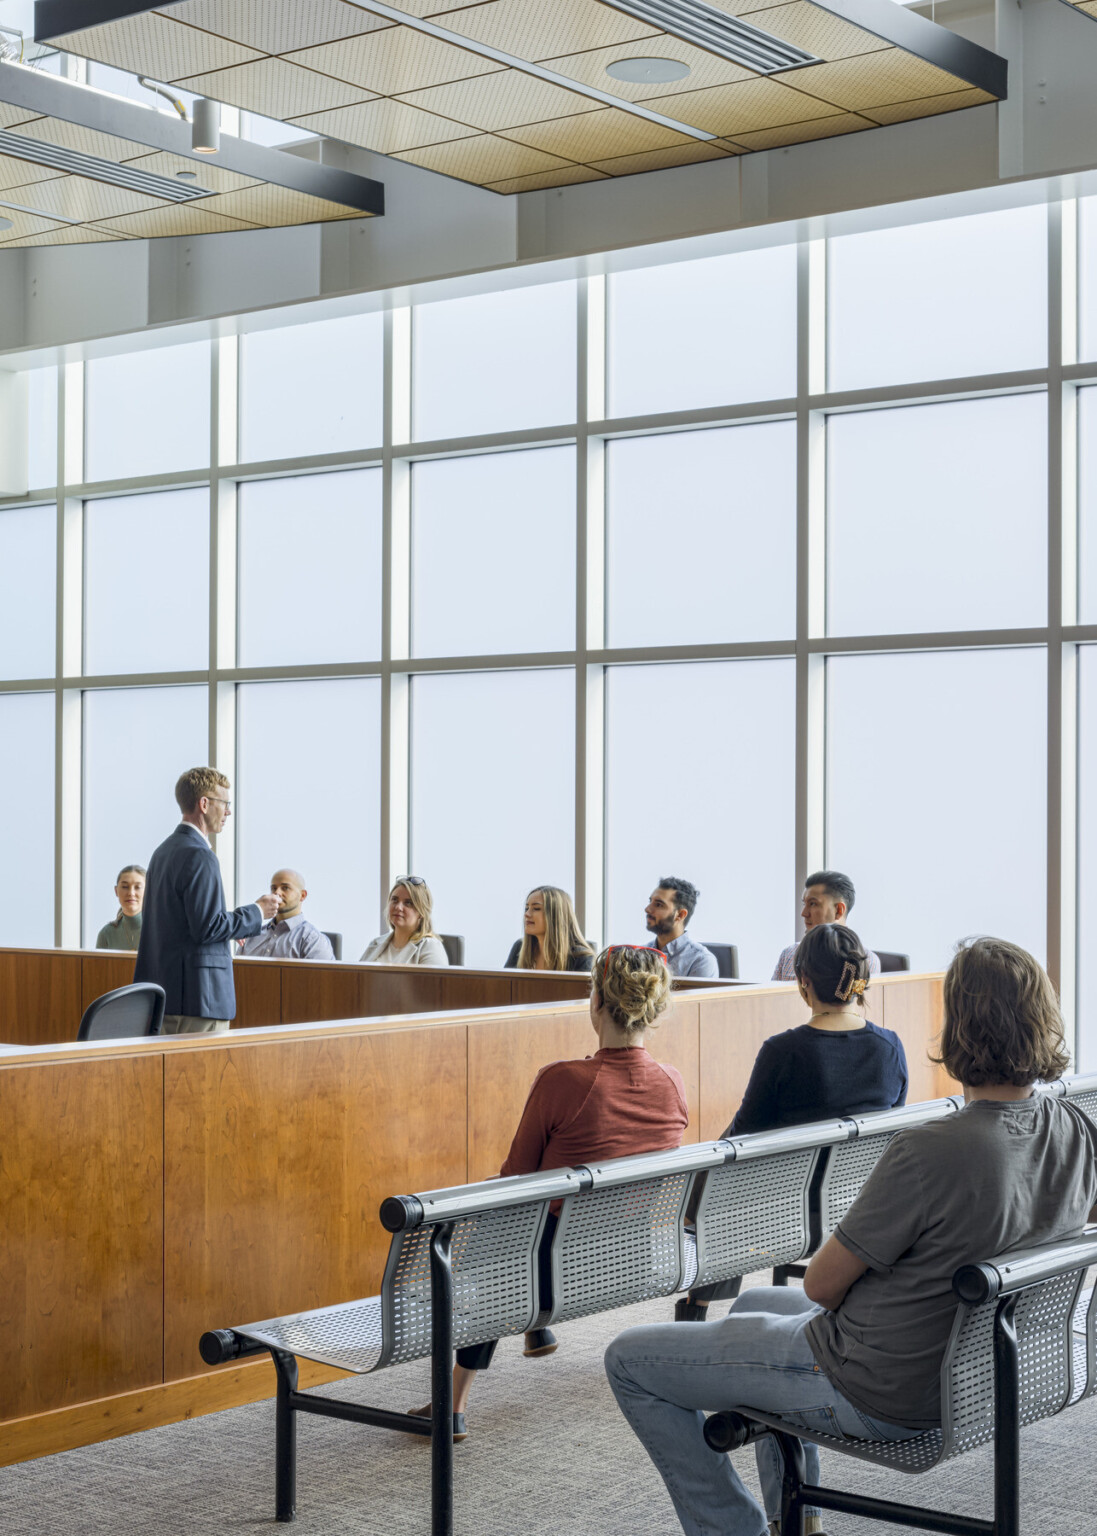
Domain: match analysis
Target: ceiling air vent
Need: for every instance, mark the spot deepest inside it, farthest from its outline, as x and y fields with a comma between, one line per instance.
x=41, y=152
x=716, y=32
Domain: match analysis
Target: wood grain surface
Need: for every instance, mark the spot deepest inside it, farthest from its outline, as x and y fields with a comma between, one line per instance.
x=914, y=1009
x=81, y=1231
x=277, y=1158
x=258, y=986
x=733, y=1028
x=102, y=972
x=40, y=996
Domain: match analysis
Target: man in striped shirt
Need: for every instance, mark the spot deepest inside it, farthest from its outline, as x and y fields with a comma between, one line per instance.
x=828, y=898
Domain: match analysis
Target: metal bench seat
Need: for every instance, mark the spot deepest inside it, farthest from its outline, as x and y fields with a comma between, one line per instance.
x=1013, y=1358
x=348, y=1337
x=849, y=1165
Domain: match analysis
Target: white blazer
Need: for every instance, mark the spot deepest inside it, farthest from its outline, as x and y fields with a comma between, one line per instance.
x=428, y=951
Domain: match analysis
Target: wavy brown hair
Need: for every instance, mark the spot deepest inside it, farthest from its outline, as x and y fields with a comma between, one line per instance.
x=1002, y=1021
x=563, y=936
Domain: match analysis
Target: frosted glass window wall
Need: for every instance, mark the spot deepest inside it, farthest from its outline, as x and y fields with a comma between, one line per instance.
x=712, y=332
x=146, y=583
x=938, y=301
x=137, y=741
x=310, y=569
x=494, y=363
x=148, y=413
x=28, y=591
x=493, y=553
x=953, y=497
x=310, y=389
x=26, y=788
x=1087, y=859
x=728, y=822
x=41, y=427
x=488, y=825
x=936, y=797
x=701, y=536
x=322, y=818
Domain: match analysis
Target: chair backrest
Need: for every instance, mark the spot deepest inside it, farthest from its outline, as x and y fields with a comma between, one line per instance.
x=890, y=960
x=124, y=1013
x=620, y=1240
x=850, y=1163
x=497, y=1227
x=755, y=1211
x=1081, y=1090
x=336, y=942
x=727, y=959
x=454, y=946
x=1053, y=1373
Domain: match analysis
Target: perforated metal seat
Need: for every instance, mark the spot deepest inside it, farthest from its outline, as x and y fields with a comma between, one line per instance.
x=851, y=1162
x=1081, y=1090
x=621, y=1240
x=1039, y=1295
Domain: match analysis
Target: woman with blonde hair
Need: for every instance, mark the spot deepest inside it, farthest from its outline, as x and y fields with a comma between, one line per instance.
x=553, y=940
x=411, y=939
x=612, y=1104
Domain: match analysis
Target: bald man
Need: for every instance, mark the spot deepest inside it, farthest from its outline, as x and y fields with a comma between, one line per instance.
x=289, y=935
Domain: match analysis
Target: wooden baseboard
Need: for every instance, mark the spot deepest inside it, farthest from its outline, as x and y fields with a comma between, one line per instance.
x=170, y=1402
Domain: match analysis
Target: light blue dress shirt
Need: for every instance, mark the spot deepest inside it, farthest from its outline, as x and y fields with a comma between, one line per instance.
x=688, y=958
x=289, y=938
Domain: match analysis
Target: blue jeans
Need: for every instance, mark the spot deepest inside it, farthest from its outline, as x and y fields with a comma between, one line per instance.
x=758, y=1357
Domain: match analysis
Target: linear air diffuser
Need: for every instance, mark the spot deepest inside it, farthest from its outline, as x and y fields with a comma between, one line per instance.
x=716, y=32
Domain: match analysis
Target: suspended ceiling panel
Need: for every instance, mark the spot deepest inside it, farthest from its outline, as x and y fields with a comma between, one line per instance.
x=516, y=95
x=77, y=166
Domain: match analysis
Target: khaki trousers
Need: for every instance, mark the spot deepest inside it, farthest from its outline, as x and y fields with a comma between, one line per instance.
x=187, y=1024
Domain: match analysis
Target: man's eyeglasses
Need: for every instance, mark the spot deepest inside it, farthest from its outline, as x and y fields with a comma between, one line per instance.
x=219, y=800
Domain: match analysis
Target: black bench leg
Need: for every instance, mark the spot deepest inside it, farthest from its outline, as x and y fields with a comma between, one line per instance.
x=792, y=1510
x=441, y=1382
x=285, y=1438
x=1007, y=1421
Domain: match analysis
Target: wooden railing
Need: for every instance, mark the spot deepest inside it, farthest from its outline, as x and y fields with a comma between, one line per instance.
x=152, y=1189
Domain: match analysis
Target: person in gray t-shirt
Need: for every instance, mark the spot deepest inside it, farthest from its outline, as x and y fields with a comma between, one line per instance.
x=1014, y=1168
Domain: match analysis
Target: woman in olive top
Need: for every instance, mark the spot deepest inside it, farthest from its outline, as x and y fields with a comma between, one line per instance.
x=125, y=931
x=837, y=1064
x=552, y=941
x=614, y=1103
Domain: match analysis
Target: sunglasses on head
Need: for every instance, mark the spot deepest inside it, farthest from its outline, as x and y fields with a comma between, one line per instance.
x=643, y=949
x=409, y=880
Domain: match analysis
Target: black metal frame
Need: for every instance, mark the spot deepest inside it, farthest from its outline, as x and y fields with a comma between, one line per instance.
x=731, y=1430
x=290, y=1401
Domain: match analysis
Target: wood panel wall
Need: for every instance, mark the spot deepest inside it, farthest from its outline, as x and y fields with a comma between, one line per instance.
x=153, y=1189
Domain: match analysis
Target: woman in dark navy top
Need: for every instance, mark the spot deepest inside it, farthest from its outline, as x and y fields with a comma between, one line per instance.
x=836, y=1064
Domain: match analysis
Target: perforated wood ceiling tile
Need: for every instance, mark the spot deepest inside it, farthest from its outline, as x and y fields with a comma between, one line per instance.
x=11, y=116
x=597, y=135
x=504, y=100
x=385, y=125
x=88, y=141
x=482, y=159
x=23, y=222
x=662, y=159
x=803, y=133
x=930, y=106
x=276, y=26
x=886, y=77
x=728, y=110
x=546, y=179
x=271, y=206
x=80, y=198
x=275, y=88
x=817, y=31
x=394, y=61
x=1089, y=7
x=22, y=173
x=542, y=29
x=176, y=219
x=208, y=173
x=745, y=7
x=71, y=234
x=704, y=69
x=150, y=44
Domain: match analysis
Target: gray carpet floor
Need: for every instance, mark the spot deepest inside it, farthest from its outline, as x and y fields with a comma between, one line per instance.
x=548, y=1452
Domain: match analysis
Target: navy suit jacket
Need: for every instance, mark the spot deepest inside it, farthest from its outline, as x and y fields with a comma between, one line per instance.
x=185, y=930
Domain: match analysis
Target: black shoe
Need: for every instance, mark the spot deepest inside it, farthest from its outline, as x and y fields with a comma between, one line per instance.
x=460, y=1432
x=686, y=1311
x=539, y=1341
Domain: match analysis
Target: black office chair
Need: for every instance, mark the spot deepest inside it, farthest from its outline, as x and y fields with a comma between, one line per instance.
x=336, y=942
x=727, y=959
x=890, y=961
x=124, y=1013
x=454, y=946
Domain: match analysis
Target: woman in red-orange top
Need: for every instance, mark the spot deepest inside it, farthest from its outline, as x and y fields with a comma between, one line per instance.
x=614, y=1103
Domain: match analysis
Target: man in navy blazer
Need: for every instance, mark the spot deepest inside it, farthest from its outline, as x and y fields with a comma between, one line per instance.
x=185, y=931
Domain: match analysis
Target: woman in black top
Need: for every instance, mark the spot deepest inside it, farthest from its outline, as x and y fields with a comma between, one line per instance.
x=837, y=1064
x=553, y=939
